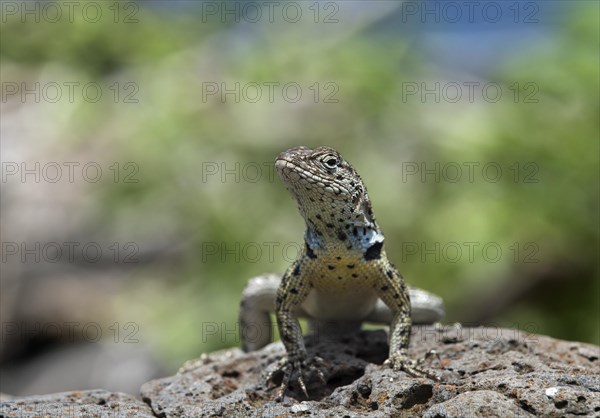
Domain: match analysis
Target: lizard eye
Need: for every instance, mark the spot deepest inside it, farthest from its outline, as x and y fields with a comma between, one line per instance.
x=331, y=161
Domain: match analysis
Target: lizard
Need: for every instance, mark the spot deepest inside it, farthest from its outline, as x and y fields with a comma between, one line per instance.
x=342, y=276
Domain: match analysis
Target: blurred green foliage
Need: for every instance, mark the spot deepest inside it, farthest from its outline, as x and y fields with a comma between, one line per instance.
x=174, y=135
x=100, y=40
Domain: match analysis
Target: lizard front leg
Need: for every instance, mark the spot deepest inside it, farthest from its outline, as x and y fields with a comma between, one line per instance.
x=394, y=293
x=292, y=292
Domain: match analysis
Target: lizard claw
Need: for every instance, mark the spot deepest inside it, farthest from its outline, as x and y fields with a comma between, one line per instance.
x=401, y=362
x=304, y=367
x=429, y=354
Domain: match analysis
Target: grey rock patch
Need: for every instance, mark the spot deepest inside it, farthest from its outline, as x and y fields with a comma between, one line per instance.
x=475, y=404
x=483, y=372
x=92, y=403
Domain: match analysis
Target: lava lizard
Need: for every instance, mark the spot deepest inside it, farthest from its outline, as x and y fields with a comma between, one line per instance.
x=342, y=277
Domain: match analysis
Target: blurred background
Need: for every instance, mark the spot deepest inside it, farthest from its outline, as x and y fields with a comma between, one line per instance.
x=138, y=190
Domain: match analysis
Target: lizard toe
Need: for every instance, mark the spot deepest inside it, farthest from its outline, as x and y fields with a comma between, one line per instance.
x=303, y=369
x=401, y=362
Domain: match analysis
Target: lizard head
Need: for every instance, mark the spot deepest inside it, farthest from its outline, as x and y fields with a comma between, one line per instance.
x=330, y=194
x=319, y=174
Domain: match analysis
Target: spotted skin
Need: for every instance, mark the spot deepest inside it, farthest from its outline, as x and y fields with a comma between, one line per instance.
x=343, y=269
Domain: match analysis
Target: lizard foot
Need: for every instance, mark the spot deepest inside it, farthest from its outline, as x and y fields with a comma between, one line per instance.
x=303, y=367
x=401, y=362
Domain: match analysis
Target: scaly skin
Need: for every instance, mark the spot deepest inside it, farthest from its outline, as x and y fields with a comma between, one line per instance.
x=343, y=269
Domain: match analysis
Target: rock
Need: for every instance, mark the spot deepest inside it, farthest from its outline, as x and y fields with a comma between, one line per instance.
x=93, y=403
x=477, y=403
x=483, y=372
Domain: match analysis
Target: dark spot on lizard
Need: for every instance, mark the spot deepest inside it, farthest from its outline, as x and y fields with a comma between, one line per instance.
x=338, y=258
x=329, y=225
x=355, y=232
x=296, y=271
x=374, y=251
x=354, y=275
x=330, y=267
x=311, y=199
x=350, y=266
x=309, y=252
x=390, y=273
x=339, y=277
x=396, y=295
x=340, y=177
x=294, y=290
x=318, y=216
x=342, y=236
x=384, y=288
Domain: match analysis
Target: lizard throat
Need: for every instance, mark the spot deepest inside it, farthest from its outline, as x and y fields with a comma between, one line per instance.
x=327, y=238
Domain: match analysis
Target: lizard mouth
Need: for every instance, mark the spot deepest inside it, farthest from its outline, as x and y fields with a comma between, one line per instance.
x=287, y=168
x=291, y=172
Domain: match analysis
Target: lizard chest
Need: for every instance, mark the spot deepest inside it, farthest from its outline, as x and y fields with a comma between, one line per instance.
x=342, y=288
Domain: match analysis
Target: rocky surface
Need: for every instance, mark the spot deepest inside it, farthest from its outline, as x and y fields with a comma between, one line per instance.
x=483, y=372
x=91, y=403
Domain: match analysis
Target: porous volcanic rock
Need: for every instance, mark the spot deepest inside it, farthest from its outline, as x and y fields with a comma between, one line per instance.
x=483, y=372
x=76, y=404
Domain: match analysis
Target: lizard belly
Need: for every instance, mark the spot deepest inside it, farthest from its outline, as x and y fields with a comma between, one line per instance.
x=340, y=304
